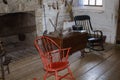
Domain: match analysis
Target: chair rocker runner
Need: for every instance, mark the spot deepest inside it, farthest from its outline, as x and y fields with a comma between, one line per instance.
x=54, y=58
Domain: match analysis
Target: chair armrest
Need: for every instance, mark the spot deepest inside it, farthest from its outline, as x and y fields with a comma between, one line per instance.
x=67, y=53
x=64, y=52
x=98, y=33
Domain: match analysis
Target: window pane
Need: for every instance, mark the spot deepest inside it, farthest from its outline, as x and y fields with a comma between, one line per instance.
x=85, y=2
x=98, y=2
x=81, y=2
x=92, y=2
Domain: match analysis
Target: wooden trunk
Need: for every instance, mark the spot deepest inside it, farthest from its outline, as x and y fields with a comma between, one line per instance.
x=75, y=40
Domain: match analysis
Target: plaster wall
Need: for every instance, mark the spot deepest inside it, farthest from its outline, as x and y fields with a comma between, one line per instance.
x=104, y=19
x=51, y=13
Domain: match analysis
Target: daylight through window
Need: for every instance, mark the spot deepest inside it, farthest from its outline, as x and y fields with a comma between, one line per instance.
x=98, y=3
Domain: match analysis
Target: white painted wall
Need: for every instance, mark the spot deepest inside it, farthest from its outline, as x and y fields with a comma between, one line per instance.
x=105, y=20
x=51, y=13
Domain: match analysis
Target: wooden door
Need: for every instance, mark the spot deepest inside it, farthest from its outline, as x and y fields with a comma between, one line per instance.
x=118, y=27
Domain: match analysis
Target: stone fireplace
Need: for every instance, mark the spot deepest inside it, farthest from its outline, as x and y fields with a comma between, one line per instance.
x=18, y=29
x=17, y=23
x=20, y=23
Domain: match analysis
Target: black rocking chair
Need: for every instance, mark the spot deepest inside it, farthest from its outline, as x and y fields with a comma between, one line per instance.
x=96, y=39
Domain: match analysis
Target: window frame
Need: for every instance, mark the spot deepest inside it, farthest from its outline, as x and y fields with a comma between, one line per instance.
x=79, y=6
x=95, y=4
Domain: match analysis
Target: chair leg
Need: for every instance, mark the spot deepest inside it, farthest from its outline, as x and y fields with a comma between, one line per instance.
x=56, y=75
x=92, y=46
x=102, y=46
x=82, y=53
x=8, y=69
x=45, y=76
x=2, y=72
x=70, y=72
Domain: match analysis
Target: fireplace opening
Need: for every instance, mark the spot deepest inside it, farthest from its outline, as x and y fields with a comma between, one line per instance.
x=17, y=30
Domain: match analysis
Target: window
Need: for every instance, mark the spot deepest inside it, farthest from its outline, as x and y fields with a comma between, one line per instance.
x=89, y=5
x=95, y=3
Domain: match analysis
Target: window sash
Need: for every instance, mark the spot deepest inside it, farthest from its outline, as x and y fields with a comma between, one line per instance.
x=97, y=3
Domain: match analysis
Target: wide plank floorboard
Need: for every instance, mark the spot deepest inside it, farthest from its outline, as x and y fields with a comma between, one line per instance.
x=103, y=65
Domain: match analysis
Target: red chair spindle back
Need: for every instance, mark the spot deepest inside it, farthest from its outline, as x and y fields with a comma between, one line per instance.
x=52, y=56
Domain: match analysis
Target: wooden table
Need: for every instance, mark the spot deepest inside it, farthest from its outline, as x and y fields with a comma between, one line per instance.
x=75, y=40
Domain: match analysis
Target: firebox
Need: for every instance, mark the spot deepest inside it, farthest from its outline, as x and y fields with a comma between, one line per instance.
x=17, y=28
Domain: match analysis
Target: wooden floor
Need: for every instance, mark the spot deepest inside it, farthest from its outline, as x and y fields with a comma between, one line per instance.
x=103, y=65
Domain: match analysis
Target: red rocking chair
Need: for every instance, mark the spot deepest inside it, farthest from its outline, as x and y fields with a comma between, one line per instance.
x=53, y=58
